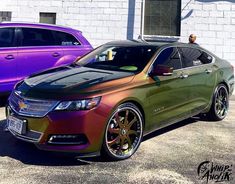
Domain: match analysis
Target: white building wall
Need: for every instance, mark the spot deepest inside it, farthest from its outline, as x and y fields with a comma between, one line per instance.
x=99, y=20
x=214, y=24
x=104, y=20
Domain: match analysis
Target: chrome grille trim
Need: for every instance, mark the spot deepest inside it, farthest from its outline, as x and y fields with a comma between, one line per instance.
x=33, y=107
x=31, y=136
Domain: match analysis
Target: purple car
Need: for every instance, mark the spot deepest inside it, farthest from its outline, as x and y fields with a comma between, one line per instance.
x=27, y=48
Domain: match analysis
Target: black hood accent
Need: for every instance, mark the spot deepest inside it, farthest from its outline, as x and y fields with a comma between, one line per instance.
x=68, y=80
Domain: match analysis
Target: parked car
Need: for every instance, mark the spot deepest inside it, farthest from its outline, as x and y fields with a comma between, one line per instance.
x=110, y=98
x=26, y=48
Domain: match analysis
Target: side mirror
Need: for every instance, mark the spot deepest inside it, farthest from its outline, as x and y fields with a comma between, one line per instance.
x=161, y=70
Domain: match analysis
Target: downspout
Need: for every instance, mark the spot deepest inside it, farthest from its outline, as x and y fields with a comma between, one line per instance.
x=142, y=20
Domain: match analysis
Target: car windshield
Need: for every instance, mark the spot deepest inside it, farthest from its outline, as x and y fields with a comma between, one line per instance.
x=119, y=58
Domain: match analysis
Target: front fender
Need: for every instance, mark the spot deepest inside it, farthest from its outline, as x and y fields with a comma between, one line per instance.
x=65, y=60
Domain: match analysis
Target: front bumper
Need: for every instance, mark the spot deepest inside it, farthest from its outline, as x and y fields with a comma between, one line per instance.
x=55, y=131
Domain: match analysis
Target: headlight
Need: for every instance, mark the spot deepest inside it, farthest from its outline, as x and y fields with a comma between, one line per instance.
x=77, y=105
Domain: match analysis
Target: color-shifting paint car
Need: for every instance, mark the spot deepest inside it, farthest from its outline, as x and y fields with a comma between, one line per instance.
x=26, y=48
x=107, y=100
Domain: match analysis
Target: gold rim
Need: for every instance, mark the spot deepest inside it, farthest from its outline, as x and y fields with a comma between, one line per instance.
x=124, y=132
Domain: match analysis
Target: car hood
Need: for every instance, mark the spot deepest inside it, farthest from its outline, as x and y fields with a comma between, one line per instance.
x=72, y=82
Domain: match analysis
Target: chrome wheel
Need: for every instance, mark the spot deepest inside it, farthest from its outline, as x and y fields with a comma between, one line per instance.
x=124, y=132
x=221, y=102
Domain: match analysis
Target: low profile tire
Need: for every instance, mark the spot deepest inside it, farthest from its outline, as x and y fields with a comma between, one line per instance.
x=123, y=133
x=220, y=104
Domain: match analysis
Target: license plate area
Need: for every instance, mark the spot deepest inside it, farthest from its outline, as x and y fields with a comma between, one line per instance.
x=16, y=125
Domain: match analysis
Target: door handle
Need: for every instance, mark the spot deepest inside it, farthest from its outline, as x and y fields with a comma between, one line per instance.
x=208, y=71
x=9, y=57
x=55, y=54
x=183, y=76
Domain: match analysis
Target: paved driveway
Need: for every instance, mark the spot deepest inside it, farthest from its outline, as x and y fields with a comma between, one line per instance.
x=170, y=155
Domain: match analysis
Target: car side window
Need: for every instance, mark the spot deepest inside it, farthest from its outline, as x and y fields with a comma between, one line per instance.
x=205, y=58
x=7, y=37
x=169, y=57
x=194, y=57
x=62, y=38
x=37, y=37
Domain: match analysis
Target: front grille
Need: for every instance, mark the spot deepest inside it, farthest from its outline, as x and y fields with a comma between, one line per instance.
x=30, y=107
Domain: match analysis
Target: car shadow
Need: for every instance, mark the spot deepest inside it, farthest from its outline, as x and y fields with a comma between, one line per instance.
x=29, y=154
x=174, y=126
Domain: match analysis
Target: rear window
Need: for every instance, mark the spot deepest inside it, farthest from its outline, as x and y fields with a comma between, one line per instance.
x=37, y=37
x=193, y=57
x=7, y=37
x=62, y=38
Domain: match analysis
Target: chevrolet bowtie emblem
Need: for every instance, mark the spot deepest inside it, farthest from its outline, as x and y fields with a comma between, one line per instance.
x=22, y=105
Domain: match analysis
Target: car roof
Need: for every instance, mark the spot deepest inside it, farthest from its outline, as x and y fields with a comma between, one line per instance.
x=152, y=43
x=159, y=44
x=130, y=43
x=37, y=25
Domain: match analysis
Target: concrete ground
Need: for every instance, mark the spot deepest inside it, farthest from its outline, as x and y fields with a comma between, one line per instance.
x=169, y=155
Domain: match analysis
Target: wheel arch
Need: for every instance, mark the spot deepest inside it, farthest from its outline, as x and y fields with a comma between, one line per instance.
x=222, y=82
x=212, y=114
x=138, y=105
x=213, y=93
x=226, y=85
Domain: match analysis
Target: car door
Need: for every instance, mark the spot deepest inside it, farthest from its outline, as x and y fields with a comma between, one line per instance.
x=199, y=67
x=168, y=95
x=37, y=51
x=8, y=59
x=71, y=46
